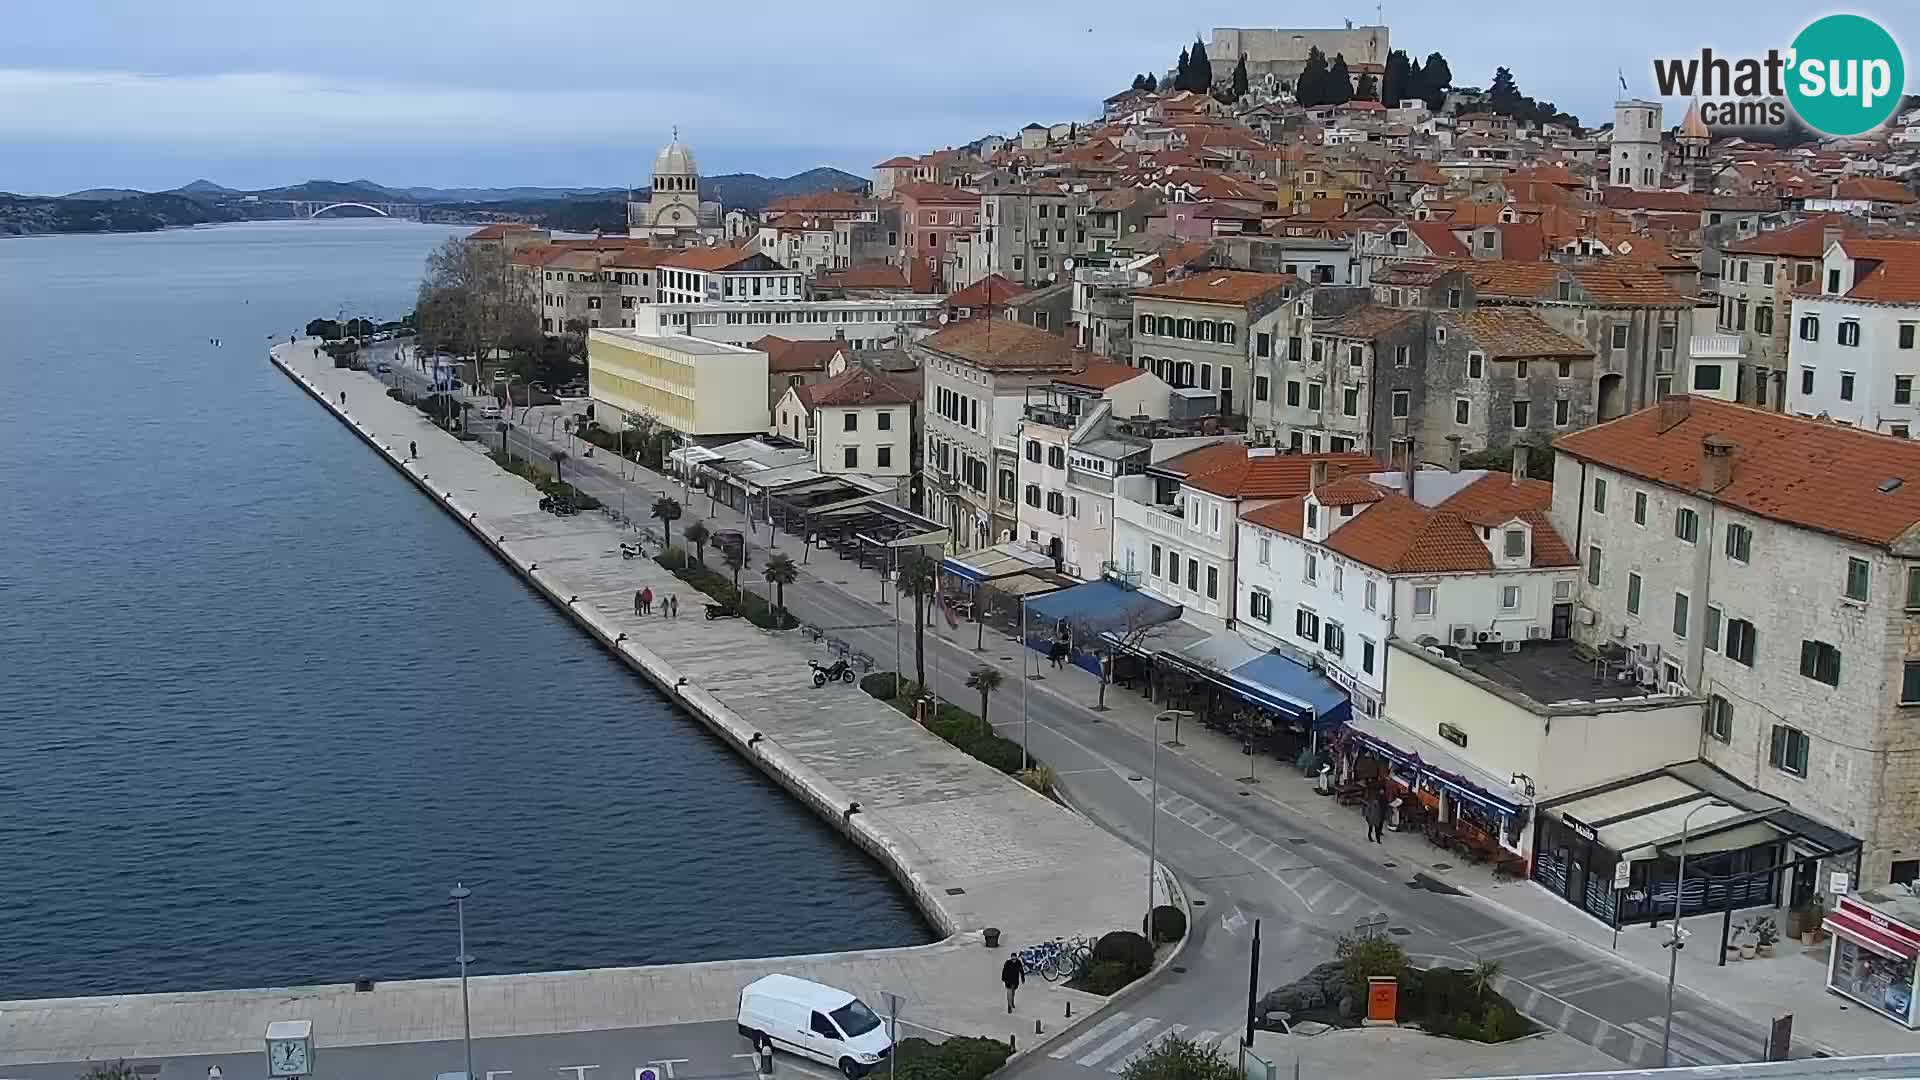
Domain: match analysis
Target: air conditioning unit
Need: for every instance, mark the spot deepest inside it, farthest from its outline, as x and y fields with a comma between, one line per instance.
x=1486, y=637
x=1536, y=633
x=1645, y=675
x=1462, y=634
x=1648, y=652
x=1510, y=646
x=1584, y=615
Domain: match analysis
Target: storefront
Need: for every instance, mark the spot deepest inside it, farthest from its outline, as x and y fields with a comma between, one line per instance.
x=1874, y=948
x=1437, y=787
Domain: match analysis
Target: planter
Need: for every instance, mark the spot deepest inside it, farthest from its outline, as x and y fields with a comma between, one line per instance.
x=1796, y=923
x=1733, y=953
x=1766, y=952
x=1749, y=951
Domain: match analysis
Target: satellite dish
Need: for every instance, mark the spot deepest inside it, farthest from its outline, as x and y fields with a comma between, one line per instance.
x=1066, y=264
x=943, y=318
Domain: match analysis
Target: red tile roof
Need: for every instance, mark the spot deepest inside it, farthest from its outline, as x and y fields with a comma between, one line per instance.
x=989, y=292
x=499, y=230
x=1808, y=473
x=1894, y=277
x=1229, y=469
x=865, y=275
x=1400, y=536
x=942, y=194
x=788, y=357
x=1234, y=287
x=858, y=386
x=1805, y=240
x=1101, y=375
x=712, y=259
x=1515, y=334
x=1439, y=239
x=898, y=161
x=1004, y=345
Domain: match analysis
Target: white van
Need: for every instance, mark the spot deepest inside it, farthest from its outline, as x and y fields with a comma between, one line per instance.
x=806, y=1018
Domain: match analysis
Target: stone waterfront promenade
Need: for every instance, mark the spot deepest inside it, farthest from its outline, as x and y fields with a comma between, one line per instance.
x=974, y=847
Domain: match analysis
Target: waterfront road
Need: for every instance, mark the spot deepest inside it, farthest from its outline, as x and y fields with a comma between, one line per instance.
x=1269, y=851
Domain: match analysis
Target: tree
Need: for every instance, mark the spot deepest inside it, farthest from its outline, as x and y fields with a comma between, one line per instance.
x=780, y=572
x=1393, y=84
x=985, y=679
x=1178, y=1059
x=1483, y=977
x=472, y=301
x=1339, y=81
x=1368, y=90
x=1503, y=96
x=1153, y=83
x=1110, y=638
x=1139, y=82
x=1311, y=88
x=1199, y=68
x=1180, y=71
x=919, y=577
x=1416, y=84
x=1436, y=78
x=667, y=509
x=1363, y=955
x=698, y=534
x=559, y=459
x=324, y=329
x=735, y=556
x=1240, y=77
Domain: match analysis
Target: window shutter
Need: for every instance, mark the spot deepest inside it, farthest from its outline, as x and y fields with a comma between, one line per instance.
x=1809, y=659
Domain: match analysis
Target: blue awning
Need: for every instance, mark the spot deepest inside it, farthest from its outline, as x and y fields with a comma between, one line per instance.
x=1102, y=605
x=1279, y=683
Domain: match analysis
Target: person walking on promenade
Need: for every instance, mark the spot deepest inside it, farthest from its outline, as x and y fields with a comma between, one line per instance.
x=673, y=603
x=1376, y=813
x=637, y=601
x=1011, y=976
x=413, y=450
x=343, y=399
x=646, y=600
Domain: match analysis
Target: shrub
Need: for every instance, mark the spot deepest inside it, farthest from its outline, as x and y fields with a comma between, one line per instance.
x=1364, y=955
x=1040, y=778
x=956, y=1059
x=1179, y=1059
x=1128, y=948
x=881, y=684
x=1168, y=924
x=1104, y=977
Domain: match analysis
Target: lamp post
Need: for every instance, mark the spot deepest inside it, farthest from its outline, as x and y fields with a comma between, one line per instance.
x=1026, y=762
x=1674, y=943
x=459, y=897
x=1153, y=811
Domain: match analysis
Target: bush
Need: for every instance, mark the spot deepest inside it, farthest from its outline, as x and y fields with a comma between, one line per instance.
x=1127, y=948
x=1040, y=778
x=1104, y=977
x=1169, y=924
x=956, y=1059
x=959, y=728
x=881, y=684
x=1179, y=1059
x=720, y=588
x=1362, y=956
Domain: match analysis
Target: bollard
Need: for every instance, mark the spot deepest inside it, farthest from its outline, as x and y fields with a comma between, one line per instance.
x=1036, y=1027
x=1013, y=1042
x=1069, y=1010
x=766, y=1060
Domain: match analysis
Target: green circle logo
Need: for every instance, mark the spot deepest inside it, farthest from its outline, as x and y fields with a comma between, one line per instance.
x=1846, y=75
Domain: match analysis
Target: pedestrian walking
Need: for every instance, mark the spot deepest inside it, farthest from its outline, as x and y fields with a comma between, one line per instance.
x=673, y=603
x=1011, y=976
x=637, y=601
x=646, y=600
x=413, y=450
x=343, y=399
x=1376, y=813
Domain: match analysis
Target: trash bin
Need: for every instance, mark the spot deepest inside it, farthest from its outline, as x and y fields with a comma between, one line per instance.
x=993, y=937
x=1324, y=783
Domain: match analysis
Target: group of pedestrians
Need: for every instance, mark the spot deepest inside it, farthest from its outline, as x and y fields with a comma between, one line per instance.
x=643, y=604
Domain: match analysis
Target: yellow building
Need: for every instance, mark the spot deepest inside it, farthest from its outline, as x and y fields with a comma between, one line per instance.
x=694, y=386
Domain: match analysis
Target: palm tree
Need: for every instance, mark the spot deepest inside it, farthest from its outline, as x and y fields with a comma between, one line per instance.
x=667, y=509
x=559, y=459
x=1483, y=977
x=780, y=572
x=986, y=680
x=919, y=576
x=735, y=556
x=698, y=534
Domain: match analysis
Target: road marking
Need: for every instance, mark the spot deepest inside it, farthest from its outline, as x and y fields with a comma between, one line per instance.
x=1551, y=976
x=1351, y=899
x=1322, y=892
x=1206, y=1039
x=1145, y=1047
x=1091, y=1034
x=1709, y=1032
x=1470, y=942
x=1599, y=980
x=1101, y=1052
x=1650, y=1031
x=1235, y=848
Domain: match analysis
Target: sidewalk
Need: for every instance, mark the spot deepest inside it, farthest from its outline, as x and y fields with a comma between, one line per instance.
x=1794, y=981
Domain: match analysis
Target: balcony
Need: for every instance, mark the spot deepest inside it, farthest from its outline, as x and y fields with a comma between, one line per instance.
x=1157, y=518
x=1007, y=443
x=1050, y=417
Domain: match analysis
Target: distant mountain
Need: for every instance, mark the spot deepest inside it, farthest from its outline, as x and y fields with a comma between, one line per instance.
x=104, y=194
x=203, y=187
x=133, y=212
x=507, y=194
x=748, y=191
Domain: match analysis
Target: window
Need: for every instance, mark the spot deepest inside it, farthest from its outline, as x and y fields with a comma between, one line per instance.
x=1520, y=369
x=824, y=1028
x=1476, y=365
x=1833, y=281
x=1423, y=597
x=1906, y=335
x=1520, y=413
x=1686, y=525
x=1462, y=410
x=1809, y=328
x=852, y=454
x=1336, y=639
x=885, y=454
x=1706, y=377
x=1562, y=412
x=1682, y=610
x=1593, y=565
x=1213, y=583
x=1453, y=298
x=1640, y=508
x=1366, y=656
x=1056, y=503
x=1619, y=331
x=1516, y=540
x=1056, y=457
x=1763, y=319
x=1260, y=606
x=1154, y=564
x=1766, y=272
x=1373, y=594
x=1903, y=389
x=1265, y=549
x=852, y=422
x=1263, y=344
x=1789, y=750
x=1313, y=397
x=1509, y=598
x=1350, y=401
x=1846, y=386
x=1714, y=618
x=1718, y=719
x=1006, y=485
x=1858, y=573
x=1913, y=588
x=1033, y=451
x=1820, y=661
x=1312, y=572
x=1355, y=353
x=1910, y=683
x=1033, y=496
x=1806, y=380
x=1293, y=392
x=1193, y=575
x=1402, y=403
x=1740, y=543
x=1259, y=388
x=1740, y=638
x=1402, y=356
x=1633, y=594
x=1306, y=624
x=1173, y=567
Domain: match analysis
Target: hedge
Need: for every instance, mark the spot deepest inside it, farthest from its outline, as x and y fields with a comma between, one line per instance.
x=1169, y=924
x=720, y=587
x=1118, y=958
x=955, y=1059
x=960, y=728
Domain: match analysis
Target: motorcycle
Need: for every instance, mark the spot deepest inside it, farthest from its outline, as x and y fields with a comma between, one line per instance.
x=839, y=669
x=631, y=551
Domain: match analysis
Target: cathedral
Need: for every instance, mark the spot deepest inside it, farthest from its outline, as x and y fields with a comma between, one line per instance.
x=673, y=210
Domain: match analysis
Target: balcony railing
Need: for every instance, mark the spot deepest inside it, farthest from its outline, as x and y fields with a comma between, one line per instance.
x=1059, y=418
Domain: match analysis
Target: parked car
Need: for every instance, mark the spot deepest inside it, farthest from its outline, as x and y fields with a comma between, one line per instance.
x=813, y=1020
x=383, y=368
x=489, y=412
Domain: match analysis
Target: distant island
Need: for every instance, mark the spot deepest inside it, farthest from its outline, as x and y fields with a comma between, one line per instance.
x=203, y=202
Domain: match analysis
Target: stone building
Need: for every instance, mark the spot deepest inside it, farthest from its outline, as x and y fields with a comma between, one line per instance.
x=673, y=209
x=1283, y=53
x=1205, y=330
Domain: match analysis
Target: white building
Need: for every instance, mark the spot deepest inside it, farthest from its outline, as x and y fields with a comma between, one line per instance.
x=723, y=275
x=1853, y=356
x=1637, y=158
x=862, y=324
x=1469, y=559
x=1176, y=525
x=1766, y=563
x=859, y=421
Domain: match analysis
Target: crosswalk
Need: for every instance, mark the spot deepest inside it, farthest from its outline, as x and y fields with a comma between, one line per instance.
x=1318, y=891
x=1123, y=1038
x=1697, y=1040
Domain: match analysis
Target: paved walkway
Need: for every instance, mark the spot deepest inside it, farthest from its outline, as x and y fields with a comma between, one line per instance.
x=977, y=848
x=1411, y=1054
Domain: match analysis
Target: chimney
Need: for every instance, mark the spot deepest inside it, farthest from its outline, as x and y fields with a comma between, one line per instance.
x=1674, y=411
x=1520, y=454
x=1716, y=463
x=1453, y=453
x=1317, y=474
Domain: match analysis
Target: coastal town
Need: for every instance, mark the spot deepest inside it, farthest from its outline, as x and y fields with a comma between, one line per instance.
x=1559, y=478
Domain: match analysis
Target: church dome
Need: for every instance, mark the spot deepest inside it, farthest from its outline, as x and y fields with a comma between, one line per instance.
x=675, y=160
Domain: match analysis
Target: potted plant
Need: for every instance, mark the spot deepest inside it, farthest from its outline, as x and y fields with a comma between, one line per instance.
x=1734, y=949
x=1766, y=935
x=1812, y=929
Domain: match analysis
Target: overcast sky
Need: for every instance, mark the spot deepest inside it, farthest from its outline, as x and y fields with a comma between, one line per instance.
x=130, y=93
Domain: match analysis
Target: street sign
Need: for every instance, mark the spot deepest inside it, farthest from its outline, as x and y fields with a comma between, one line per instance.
x=647, y=1072
x=1780, y=1038
x=1839, y=882
x=1622, y=874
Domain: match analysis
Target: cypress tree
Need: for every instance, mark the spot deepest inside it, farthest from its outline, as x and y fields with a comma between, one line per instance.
x=1339, y=81
x=1240, y=78
x=1311, y=88
x=1180, y=76
x=1199, y=68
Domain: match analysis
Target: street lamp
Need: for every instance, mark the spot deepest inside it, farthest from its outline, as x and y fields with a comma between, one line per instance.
x=1153, y=811
x=1674, y=943
x=459, y=897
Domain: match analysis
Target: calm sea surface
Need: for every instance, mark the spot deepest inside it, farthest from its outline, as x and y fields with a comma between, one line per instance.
x=261, y=703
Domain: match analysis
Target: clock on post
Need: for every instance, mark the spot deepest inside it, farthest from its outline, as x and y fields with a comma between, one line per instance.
x=290, y=1048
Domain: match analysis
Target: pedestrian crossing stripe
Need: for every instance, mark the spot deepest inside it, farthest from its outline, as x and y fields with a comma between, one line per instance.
x=1692, y=1044
x=1172, y=1032
x=1087, y=1037
x=1104, y=1050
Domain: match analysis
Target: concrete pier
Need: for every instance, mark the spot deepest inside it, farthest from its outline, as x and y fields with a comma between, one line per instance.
x=976, y=848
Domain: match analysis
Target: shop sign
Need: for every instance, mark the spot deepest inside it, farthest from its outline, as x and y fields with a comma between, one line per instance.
x=1622, y=874
x=1580, y=828
x=1839, y=882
